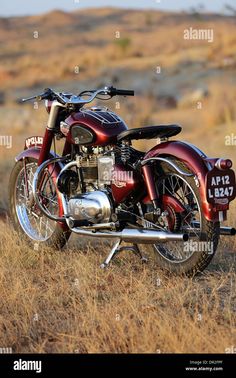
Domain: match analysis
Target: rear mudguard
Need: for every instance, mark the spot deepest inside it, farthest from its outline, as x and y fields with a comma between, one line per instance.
x=198, y=163
x=34, y=152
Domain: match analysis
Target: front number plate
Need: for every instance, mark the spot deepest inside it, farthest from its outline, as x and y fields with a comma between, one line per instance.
x=220, y=186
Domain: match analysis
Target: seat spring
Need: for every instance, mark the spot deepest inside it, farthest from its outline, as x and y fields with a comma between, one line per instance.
x=125, y=152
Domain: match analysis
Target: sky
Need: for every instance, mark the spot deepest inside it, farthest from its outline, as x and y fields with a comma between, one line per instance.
x=28, y=7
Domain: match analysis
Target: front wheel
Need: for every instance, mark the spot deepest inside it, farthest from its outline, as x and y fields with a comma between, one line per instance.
x=193, y=256
x=25, y=216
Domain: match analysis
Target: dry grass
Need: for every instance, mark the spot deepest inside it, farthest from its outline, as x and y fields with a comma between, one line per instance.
x=63, y=302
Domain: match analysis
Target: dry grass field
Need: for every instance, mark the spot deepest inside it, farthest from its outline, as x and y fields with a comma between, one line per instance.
x=55, y=301
x=63, y=302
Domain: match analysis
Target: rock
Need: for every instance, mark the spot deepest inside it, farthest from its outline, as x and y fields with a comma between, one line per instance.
x=3, y=215
x=166, y=101
x=2, y=98
x=192, y=98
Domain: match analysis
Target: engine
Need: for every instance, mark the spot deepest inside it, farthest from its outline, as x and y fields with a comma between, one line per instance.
x=96, y=168
x=92, y=207
x=92, y=203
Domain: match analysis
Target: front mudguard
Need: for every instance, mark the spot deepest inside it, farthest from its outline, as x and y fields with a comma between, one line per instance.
x=34, y=152
x=198, y=164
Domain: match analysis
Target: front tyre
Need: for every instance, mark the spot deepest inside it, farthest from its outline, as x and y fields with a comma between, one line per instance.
x=26, y=218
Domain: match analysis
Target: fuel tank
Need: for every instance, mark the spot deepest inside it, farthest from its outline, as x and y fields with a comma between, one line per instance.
x=93, y=127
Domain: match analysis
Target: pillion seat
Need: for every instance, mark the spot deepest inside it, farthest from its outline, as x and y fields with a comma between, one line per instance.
x=150, y=132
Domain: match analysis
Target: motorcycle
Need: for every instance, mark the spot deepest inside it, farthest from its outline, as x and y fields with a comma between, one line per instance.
x=167, y=202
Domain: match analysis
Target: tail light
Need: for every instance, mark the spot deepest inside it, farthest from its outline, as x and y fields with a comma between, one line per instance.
x=223, y=164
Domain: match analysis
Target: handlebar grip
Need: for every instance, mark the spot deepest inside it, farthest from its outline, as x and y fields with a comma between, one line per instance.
x=122, y=92
x=125, y=92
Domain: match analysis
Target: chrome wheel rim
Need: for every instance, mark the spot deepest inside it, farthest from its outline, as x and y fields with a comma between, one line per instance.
x=179, y=188
x=35, y=225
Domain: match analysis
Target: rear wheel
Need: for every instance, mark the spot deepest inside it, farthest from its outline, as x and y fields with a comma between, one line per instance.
x=194, y=255
x=26, y=217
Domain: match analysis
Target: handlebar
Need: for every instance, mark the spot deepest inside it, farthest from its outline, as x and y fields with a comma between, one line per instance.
x=47, y=94
x=70, y=99
x=121, y=92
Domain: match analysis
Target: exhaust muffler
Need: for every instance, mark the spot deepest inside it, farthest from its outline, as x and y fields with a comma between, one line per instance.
x=132, y=235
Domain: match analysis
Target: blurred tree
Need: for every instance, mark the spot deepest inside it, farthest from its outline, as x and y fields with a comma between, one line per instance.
x=123, y=44
x=197, y=10
x=148, y=19
x=231, y=10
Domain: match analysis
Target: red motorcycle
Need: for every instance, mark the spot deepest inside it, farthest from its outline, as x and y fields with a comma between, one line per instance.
x=168, y=201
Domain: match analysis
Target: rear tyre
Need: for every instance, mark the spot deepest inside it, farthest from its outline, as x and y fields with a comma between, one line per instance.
x=191, y=257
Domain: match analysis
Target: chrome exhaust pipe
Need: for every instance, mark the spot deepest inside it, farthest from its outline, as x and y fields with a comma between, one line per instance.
x=229, y=231
x=133, y=235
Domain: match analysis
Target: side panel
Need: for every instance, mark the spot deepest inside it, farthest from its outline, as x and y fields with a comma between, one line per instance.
x=34, y=152
x=194, y=160
x=124, y=182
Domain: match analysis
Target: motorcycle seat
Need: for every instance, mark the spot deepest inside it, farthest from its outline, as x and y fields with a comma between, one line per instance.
x=150, y=132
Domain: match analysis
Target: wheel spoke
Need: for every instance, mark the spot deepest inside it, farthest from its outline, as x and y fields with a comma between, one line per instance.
x=179, y=188
x=35, y=224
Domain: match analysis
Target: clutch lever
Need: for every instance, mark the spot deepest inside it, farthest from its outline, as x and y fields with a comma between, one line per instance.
x=39, y=97
x=30, y=98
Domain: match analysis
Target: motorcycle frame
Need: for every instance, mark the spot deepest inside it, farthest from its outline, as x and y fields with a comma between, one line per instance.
x=197, y=162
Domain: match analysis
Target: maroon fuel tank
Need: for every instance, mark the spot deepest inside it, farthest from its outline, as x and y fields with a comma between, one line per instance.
x=93, y=127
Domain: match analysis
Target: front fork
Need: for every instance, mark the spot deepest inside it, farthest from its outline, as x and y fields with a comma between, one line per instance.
x=46, y=147
x=43, y=156
x=50, y=131
x=26, y=178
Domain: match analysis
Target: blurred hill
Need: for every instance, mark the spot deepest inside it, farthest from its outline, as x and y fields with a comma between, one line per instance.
x=115, y=44
x=189, y=82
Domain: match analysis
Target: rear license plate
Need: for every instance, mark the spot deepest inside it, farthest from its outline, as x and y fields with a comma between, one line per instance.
x=220, y=186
